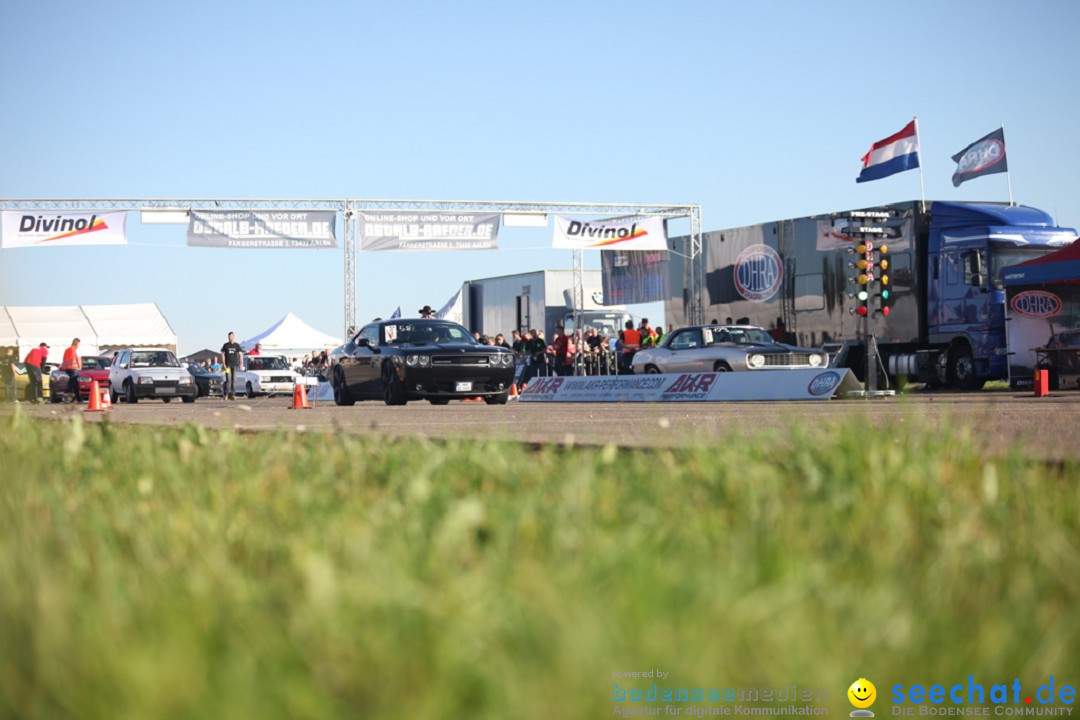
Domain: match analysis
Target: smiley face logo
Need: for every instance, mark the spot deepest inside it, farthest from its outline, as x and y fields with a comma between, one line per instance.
x=862, y=693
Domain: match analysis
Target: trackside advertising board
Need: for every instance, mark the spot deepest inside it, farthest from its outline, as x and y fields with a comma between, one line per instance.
x=51, y=229
x=801, y=384
x=642, y=233
x=304, y=229
x=405, y=231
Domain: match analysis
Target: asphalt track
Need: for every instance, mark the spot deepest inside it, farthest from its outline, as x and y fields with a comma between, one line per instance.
x=1047, y=428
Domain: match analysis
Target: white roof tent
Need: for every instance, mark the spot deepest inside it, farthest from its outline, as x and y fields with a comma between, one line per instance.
x=291, y=336
x=99, y=327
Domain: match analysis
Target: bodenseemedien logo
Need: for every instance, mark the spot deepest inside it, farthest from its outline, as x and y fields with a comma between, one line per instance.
x=862, y=695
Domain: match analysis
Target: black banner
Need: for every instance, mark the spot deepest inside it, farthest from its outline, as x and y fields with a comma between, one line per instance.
x=985, y=156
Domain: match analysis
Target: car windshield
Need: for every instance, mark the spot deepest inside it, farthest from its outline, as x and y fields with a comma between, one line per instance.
x=153, y=358
x=267, y=362
x=96, y=363
x=423, y=332
x=738, y=336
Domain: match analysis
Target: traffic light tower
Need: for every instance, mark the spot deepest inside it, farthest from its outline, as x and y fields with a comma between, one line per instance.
x=872, y=293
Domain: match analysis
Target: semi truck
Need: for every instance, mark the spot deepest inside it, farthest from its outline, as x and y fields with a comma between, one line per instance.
x=946, y=320
x=542, y=300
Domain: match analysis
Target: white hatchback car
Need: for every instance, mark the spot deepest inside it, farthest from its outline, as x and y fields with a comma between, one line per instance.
x=266, y=375
x=139, y=373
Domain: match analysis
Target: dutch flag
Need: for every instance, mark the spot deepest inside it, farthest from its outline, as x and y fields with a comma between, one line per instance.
x=894, y=154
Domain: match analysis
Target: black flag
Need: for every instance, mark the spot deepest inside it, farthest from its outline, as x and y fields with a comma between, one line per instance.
x=985, y=156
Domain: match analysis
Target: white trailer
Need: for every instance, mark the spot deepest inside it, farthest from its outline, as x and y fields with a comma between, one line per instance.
x=540, y=300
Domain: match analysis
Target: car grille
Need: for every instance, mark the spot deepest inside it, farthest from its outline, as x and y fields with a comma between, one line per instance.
x=460, y=360
x=787, y=359
x=280, y=379
x=166, y=383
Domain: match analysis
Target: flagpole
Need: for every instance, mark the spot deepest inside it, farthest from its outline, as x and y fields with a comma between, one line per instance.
x=1008, y=174
x=922, y=186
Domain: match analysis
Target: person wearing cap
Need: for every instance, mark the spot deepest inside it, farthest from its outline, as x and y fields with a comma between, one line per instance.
x=34, y=360
x=72, y=364
x=427, y=312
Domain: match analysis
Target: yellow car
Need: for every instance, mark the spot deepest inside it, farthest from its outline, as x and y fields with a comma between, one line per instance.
x=22, y=381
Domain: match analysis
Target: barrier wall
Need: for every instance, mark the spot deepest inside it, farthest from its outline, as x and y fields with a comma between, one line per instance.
x=802, y=384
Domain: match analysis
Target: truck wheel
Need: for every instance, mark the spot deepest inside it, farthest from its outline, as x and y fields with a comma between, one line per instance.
x=961, y=369
x=393, y=390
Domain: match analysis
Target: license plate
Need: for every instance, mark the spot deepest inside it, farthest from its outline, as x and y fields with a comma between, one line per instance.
x=462, y=387
x=165, y=390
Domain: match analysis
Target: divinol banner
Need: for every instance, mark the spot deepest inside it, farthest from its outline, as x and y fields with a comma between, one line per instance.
x=49, y=229
x=295, y=229
x=633, y=234
x=422, y=231
x=634, y=276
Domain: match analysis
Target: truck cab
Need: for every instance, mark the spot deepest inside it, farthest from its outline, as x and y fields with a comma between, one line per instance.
x=968, y=246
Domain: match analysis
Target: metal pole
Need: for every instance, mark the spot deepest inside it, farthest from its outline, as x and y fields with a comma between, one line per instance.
x=1008, y=173
x=922, y=185
x=350, y=271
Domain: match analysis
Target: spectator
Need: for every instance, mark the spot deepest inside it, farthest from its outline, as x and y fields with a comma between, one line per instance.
x=629, y=343
x=648, y=335
x=560, y=345
x=517, y=343
x=500, y=341
x=659, y=335
x=535, y=363
x=34, y=360
x=215, y=364
x=257, y=350
x=779, y=331
x=8, y=371
x=427, y=312
x=233, y=354
x=72, y=364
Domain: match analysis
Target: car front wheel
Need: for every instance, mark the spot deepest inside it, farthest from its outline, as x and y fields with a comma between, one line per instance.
x=499, y=399
x=342, y=396
x=393, y=390
x=129, y=393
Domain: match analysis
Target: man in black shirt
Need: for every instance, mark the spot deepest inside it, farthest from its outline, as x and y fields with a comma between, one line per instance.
x=232, y=353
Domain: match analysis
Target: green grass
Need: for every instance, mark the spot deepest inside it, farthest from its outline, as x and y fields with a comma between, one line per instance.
x=189, y=573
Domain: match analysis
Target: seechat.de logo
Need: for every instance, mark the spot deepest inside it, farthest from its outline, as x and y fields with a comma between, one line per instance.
x=1036, y=304
x=758, y=273
x=824, y=383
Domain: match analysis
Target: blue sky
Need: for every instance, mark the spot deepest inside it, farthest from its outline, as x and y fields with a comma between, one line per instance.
x=754, y=110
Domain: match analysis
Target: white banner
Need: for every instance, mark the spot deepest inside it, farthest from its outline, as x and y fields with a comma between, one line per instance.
x=49, y=229
x=633, y=234
x=428, y=231
x=801, y=384
x=294, y=229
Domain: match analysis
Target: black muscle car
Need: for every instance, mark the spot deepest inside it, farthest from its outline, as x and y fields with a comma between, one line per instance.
x=437, y=360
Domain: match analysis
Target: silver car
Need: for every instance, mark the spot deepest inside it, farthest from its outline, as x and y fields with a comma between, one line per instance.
x=723, y=348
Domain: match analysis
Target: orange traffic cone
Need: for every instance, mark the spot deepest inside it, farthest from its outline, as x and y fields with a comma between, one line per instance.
x=299, y=398
x=106, y=398
x=513, y=390
x=94, y=402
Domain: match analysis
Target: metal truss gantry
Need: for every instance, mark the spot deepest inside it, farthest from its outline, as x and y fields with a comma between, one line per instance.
x=350, y=207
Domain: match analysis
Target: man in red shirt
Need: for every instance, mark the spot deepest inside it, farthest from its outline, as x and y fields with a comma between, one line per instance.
x=34, y=360
x=72, y=364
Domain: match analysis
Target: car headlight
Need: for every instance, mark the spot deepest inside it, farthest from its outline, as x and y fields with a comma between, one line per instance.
x=425, y=360
x=815, y=360
x=185, y=381
x=85, y=379
x=412, y=360
x=756, y=360
x=143, y=380
x=507, y=358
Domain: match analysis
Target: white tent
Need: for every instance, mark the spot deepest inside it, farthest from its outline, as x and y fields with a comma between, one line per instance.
x=99, y=327
x=292, y=337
